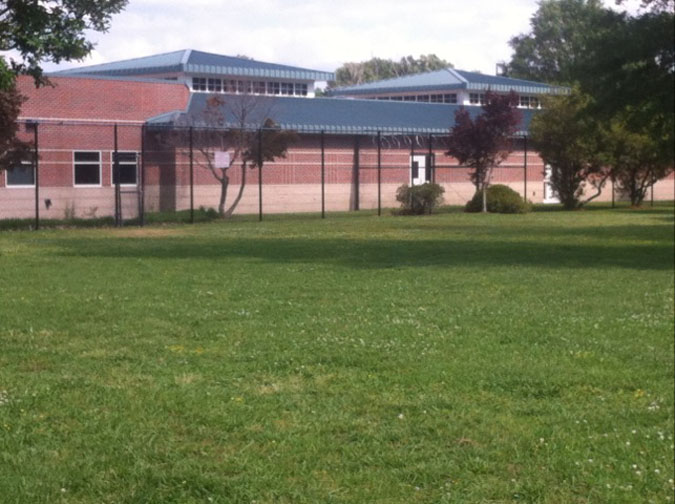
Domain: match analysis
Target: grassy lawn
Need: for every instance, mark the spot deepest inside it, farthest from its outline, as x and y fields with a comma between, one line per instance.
x=448, y=359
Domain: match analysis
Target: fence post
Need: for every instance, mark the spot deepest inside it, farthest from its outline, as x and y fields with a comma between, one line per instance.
x=37, y=176
x=432, y=167
x=116, y=178
x=652, y=194
x=612, y=179
x=323, y=175
x=357, y=174
x=192, y=185
x=525, y=169
x=141, y=182
x=379, y=173
x=260, y=162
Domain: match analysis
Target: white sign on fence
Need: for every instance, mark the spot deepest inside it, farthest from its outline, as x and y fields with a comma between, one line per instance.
x=222, y=159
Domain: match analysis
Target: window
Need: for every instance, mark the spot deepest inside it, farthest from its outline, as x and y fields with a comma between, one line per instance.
x=273, y=88
x=87, y=168
x=450, y=98
x=198, y=84
x=259, y=87
x=231, y=86
x=397, y=98
x=525, y=101
x=477, y=98
x=436, y=98
x=286, y=88
x=127, y=168
x=215, y=85
x=243, y=87
x=301, y=89
x=21, y=175
x=423, y=98
x=534, y=102
x=409, y=98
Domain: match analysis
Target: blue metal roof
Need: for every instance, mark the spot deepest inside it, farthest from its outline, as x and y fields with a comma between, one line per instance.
x=328, y=114
x=445, y=79
x=199, y=62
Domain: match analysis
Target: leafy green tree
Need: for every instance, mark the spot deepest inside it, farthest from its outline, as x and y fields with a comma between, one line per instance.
x=635, y=162
x=561, y=33
x=48, y=30
x=12, y=150
x=483, y=142
x=378, y=69
x=571, y=142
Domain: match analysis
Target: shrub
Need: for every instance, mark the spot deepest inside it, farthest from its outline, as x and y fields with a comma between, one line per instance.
x=419, y=199
x=500, y=199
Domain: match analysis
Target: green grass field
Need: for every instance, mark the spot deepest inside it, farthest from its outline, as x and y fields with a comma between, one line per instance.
x=455, y=358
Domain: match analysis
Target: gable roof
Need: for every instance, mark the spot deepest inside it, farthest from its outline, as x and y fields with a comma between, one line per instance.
x=198, y=62
x=446, y=79
x=326, y=114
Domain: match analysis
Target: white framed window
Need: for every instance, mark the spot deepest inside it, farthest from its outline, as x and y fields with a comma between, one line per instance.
x=409, y=98
x=286, y=88
x=300, y=89
x=199, y=84
x=450, y=98
x=215, y=85
x=230, y=86
x=128, y=168
x=274, y=88
x=20, y=175
x=477, y=98
x=87, y=168
x=423, y=98
x=525, y=101
x=534, y=102
x=259, y=87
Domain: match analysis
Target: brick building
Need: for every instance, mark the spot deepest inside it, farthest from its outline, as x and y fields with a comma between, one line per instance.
x=362, y=142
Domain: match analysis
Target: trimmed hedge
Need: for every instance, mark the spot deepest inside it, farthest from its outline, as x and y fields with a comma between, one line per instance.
x=419, y=199
x=500, y=199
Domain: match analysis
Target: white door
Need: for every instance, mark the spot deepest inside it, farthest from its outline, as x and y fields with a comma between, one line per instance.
x=418, y=169
x=549, y=194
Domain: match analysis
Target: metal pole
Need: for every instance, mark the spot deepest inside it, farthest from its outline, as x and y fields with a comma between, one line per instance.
x=525, y=168
x=141, y=199
x=379, y=173
x=192, y=182
x=432, y=169
x=37, y=177
x=323, y=175
x=260, y=162
x=357, y=174
x=116, y=177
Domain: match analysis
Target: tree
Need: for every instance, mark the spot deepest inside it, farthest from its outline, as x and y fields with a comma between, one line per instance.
x=378, y=69
x=561, y=34
x=571, y=141
x=484, y=142
x=49, y=30
x=236, y=128
x=12, y=150
x=635, y=160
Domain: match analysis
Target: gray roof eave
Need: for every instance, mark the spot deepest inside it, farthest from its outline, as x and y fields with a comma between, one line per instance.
x=475, y=86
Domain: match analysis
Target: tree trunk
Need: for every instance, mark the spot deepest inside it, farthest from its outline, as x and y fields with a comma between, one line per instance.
x=224, y=184
x=484, y=198
x=236, y=201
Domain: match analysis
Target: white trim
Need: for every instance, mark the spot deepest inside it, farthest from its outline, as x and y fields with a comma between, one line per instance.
x=100, y=168
x=112, y=166
x=452, y=72
x=22, y=186
x=76, y=120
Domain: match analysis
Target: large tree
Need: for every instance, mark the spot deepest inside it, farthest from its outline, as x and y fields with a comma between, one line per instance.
x=483, y=142
x=572, y=143
x=379, y=68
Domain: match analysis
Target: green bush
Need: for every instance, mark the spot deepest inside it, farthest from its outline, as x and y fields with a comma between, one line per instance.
x=419, y=199
x=500, y=199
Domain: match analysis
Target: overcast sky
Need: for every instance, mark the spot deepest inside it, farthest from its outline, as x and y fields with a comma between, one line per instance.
x=318, y=34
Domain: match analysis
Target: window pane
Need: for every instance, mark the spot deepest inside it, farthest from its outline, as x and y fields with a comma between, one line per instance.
x=126, y=157
x=127, y=174
x=87, y=157
x=87, y=174
x=21, y=175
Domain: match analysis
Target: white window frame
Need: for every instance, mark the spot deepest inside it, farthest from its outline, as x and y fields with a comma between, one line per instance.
x=21, y=186
x=100, y=170
x=112, y=167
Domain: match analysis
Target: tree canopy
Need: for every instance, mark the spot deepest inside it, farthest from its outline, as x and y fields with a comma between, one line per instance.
x=48, y=30
x=378, y=69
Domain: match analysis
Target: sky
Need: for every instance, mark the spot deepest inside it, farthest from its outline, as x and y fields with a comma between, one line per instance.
x=318, y=34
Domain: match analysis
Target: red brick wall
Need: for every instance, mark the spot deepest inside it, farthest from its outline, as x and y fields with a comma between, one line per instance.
x=100, y=99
